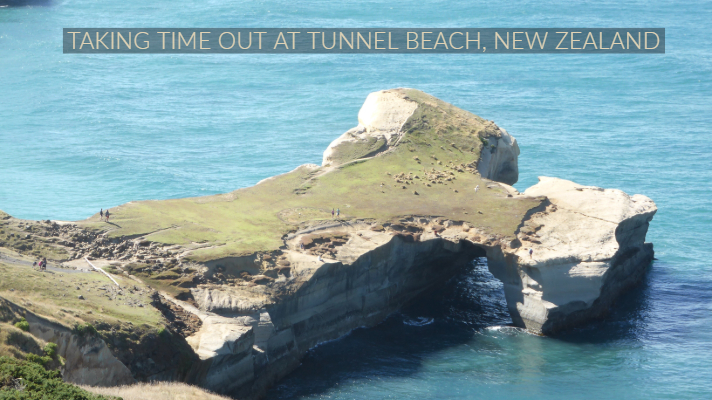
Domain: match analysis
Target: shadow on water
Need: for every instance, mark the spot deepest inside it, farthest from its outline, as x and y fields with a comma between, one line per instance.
x=449, y=317
x=625, y=321
x=25, y=3
x=663, y=306
x=446, y=317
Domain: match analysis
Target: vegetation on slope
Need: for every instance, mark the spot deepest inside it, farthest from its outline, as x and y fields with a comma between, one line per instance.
x=124, y=318
x=28, y=380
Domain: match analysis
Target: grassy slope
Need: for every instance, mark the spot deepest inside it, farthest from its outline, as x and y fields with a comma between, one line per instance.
x=54, y=295
x=254, y=219
x=16, y=343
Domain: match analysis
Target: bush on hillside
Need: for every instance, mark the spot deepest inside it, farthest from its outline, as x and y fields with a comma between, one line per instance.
x=50, y=350
x=23, y=380
x=23, y=324
x=84, y=329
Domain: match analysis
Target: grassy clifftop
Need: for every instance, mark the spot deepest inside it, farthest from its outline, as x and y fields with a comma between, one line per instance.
x=431, y=171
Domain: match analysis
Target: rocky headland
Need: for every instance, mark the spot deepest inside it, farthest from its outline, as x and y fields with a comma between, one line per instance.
x=243, y=284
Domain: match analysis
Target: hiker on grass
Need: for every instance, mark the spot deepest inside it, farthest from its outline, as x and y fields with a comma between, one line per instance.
x=332, y=213
x=101, y=214
x=337, y=213
x=107, y=215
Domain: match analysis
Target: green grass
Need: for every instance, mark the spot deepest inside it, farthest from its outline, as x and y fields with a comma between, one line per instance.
x=255, y=219
x=349, y=151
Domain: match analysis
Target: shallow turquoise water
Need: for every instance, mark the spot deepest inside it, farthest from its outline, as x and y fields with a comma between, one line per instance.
x=78, y=133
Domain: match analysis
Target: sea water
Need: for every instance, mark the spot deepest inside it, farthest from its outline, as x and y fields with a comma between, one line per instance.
x=84, y=132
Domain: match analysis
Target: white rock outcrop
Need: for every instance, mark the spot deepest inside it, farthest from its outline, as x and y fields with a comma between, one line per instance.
x=586, y=247
x=498, y=159
x=381, y=120
x=379, y=127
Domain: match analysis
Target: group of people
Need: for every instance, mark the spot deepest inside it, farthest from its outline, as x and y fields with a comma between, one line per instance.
x=42, y=264
x=104, y=214
x=337, y=213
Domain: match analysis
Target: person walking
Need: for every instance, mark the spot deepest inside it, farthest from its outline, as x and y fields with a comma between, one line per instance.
x=101, y=215
x=107, y=215
x=43, y=264
x=531, y=252
x=332, y=213
x=477, y=188
x=338, y=212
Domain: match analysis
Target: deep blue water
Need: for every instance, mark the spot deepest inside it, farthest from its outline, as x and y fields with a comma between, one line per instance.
x=82, y=132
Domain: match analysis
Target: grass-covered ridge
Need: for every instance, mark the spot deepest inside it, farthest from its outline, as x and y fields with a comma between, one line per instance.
x=56, y=296
x=440, y=139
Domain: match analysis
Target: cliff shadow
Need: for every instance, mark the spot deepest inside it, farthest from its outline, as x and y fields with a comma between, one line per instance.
x=448, y=316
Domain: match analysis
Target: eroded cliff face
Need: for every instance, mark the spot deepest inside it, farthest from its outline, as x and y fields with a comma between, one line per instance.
x=87, y=359
x=498, y=159
x=246, y=348
x=587, y=246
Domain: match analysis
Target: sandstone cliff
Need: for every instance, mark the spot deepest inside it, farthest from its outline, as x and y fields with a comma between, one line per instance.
x=382, y=120
x=86, y=358
x=261, y=275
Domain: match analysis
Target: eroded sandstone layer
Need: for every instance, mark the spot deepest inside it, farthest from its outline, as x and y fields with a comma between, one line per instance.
x=255, y=278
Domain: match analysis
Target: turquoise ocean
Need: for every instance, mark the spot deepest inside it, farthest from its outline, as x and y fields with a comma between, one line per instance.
x=84, y=132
